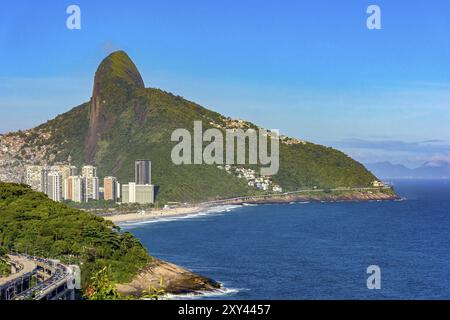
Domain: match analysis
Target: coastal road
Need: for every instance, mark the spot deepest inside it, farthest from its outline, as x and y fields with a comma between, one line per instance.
x=53, y=287
x=22, y=267
x=292, y=193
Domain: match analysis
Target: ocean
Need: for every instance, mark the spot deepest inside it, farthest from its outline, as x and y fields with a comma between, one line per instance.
x=316, y=250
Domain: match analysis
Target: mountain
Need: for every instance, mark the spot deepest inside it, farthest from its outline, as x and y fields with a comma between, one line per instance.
x=124, y=121
x=429, y=170
x=116, y=79
x=386, y=170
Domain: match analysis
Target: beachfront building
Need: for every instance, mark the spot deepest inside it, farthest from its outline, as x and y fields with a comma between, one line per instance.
x=141, y=190
x=142, y=172
x=101, y=193
x=91, y=188
x=89, y=174
x=68, y=188
x=111, y=186
x=138, y=193
x=65, y=171
x=77, y=189
x=89, y=171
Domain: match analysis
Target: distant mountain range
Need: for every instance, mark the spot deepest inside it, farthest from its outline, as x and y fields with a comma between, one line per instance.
x=124, y=121
x=429, y=170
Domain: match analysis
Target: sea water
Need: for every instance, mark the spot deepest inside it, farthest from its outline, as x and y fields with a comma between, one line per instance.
x=316, y=250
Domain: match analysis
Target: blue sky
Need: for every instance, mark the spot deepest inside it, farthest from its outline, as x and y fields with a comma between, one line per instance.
x=310, y=68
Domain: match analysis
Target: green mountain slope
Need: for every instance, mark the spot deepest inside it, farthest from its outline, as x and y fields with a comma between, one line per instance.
x=125, y=121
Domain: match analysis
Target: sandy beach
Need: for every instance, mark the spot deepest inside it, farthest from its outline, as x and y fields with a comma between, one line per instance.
x=154, y=214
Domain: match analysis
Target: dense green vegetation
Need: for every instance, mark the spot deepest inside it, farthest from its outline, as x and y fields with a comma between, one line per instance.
x=138, y=122
x=92, y=204
x=68, y=133
x=31, y=222
x=5, y=269
x=102, y=288
x=105, y=207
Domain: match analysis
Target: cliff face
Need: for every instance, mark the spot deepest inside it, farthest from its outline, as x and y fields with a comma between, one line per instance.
x=115, y=82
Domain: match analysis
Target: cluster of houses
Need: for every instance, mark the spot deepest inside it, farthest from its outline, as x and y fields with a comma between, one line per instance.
x=254, y=180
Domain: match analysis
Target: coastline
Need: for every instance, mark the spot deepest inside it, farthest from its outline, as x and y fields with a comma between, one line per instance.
x=311, y=196
x=155, y=214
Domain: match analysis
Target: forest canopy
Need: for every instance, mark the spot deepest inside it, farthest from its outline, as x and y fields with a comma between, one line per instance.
x=32, y=223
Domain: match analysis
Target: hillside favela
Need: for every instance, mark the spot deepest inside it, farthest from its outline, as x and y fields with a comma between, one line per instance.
x=118, y=183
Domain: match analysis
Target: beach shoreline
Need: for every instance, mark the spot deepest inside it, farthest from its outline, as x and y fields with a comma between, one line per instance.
x=154, y=214
x=187, y=210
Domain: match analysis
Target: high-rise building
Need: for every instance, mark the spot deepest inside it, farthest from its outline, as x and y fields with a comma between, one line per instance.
x=135, y=193
x=91, y=188
x=91, y=182
x=77, y=189
x=68, y=188
x=101, y=193
x=125, y=193
x=110, y=185
x=89, y=171
x=143, y=172
x=132, y=192
x=65, y=171
x=54, y=186
x=144, y=194
x=45, y=172
x=35, y=178
x=119, y=190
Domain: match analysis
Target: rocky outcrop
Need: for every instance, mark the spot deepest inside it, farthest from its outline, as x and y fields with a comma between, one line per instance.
x=176, y=280
x=115, y=81
x=381, y=194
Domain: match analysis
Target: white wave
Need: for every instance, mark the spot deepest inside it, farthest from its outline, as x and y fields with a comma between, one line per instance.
x=205, y=294
x=212, y=211
x=299, y=202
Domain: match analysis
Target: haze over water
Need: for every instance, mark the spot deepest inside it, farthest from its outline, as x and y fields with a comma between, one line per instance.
x=318, y=250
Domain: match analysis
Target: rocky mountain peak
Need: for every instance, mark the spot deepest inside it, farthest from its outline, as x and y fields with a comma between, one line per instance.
x=116, y=79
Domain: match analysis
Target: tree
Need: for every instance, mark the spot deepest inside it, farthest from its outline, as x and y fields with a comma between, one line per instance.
x=100, y=287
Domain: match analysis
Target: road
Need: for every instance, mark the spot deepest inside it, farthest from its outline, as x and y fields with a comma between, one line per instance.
x=22, y=265
x=59, y=277
x=291, y=193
